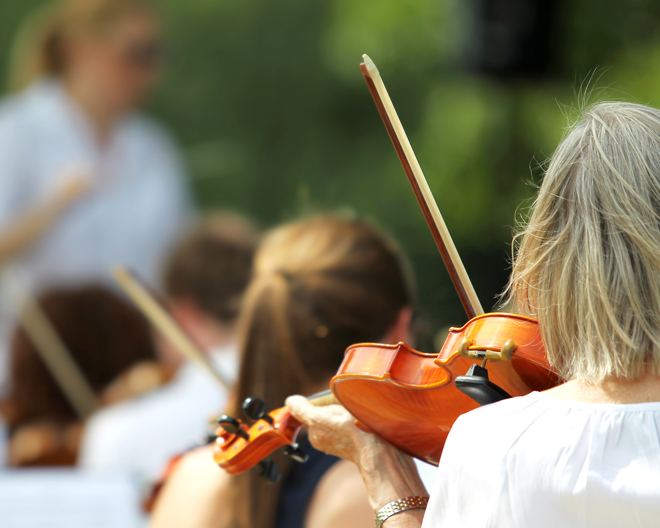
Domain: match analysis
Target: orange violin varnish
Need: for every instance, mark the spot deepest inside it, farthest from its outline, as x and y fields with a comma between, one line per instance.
x=409, y=398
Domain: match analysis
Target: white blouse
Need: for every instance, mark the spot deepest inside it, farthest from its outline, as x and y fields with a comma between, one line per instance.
x=537, y=462
x=140, y=436
x=133, y=209
x=131, y=214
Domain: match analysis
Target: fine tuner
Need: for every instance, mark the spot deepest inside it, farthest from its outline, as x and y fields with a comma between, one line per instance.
x=475, y=383
x=503, y=354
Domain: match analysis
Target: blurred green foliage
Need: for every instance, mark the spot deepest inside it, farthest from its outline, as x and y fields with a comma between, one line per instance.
x=268, y=102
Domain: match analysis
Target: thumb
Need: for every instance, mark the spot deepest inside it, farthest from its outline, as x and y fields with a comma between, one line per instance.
x=300, y=408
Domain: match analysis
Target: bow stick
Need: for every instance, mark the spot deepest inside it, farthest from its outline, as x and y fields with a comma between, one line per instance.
x=49, y=346
x=421, y=189
x=156, y=312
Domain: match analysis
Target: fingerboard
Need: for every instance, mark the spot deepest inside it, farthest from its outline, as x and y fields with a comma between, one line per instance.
x=321, y=399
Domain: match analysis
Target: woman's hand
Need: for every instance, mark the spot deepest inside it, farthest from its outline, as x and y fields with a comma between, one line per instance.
x=388, y=474
x=332, y=429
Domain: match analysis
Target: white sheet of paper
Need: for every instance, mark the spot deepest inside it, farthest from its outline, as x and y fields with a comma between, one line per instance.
x=68, y=498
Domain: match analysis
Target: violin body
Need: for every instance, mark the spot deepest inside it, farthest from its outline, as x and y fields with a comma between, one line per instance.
x=409, y=398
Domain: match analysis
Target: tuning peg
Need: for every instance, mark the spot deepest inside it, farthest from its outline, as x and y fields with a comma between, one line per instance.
x=232, y=426
x=296, y=453
x=255, y=409
x=269, y=471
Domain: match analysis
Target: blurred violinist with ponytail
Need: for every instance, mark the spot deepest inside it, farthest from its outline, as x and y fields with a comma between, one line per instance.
x=86, y=181
x=318, y=286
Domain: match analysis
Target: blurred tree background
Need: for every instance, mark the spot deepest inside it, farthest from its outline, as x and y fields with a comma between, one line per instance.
x=268, y=103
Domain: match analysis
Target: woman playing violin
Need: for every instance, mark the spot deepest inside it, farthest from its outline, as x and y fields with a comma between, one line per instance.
x=586, y=453
x=318, y=286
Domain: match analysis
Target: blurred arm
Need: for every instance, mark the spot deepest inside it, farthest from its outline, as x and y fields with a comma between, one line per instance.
x=195, y=495
x=340, y=499
x=29, y=226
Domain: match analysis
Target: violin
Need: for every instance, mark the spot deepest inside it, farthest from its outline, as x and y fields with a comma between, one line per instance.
x=409, y=398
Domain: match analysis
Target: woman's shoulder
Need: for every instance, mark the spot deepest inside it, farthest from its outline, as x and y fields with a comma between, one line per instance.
x=30, y=103
x=193, y=494
x=148, y=130
x=541, y=419
x=340, y=499
x=501, y=422
x=503, y=409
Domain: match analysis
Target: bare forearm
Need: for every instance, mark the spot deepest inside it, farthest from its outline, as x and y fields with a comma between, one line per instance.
x=27, y=230
x=32, y=224
x=390, y=475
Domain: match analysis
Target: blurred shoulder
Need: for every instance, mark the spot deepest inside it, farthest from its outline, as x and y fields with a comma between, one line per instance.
x=21, y=110
x=32, y=103
x=149, y=131
x=194, y=495
x=340, y=499
x=138, y=413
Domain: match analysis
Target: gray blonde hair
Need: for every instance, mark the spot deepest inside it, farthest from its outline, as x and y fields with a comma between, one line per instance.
x=588, y=263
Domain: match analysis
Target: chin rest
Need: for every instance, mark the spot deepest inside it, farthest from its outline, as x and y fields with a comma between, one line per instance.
x=477, y=386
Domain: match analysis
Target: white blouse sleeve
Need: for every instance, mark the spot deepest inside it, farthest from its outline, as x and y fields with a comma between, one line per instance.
x=15, y=186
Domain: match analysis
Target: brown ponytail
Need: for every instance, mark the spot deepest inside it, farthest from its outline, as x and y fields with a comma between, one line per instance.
x=319, y=286
x=38, y=48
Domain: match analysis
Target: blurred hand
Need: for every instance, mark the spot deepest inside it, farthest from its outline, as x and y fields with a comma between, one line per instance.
x=72, y=188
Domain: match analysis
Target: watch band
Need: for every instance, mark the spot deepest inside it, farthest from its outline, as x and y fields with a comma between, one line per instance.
x=398, y=506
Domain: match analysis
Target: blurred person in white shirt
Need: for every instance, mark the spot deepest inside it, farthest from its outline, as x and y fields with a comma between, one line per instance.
x=87, y=182
x=204, y=282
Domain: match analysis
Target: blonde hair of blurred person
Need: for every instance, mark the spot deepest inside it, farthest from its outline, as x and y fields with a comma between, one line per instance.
x=204, y=281
x=79, y=69
x=319, y=285
x=106, y=52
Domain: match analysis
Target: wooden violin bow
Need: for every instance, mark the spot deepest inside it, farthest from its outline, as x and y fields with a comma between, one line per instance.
x=49, y=346
x=408, y=398
x=156, y=312
x=421, y=189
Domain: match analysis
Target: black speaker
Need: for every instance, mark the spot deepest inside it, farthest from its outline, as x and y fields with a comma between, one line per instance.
x=511, y=38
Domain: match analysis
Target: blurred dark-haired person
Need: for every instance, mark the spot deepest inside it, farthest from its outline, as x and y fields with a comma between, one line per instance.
x=86, y=180
x=204, y=282
x=104, y=335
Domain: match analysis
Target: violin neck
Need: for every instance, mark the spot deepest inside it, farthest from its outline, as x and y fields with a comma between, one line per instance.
x=323, y=398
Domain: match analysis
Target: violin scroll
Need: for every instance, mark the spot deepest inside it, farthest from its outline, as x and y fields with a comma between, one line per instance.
x=239, y=446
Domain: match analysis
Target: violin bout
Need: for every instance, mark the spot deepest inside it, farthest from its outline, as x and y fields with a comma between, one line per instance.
x=409, y=398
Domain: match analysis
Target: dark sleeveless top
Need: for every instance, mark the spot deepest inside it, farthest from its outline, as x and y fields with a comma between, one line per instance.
x=298, y=488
